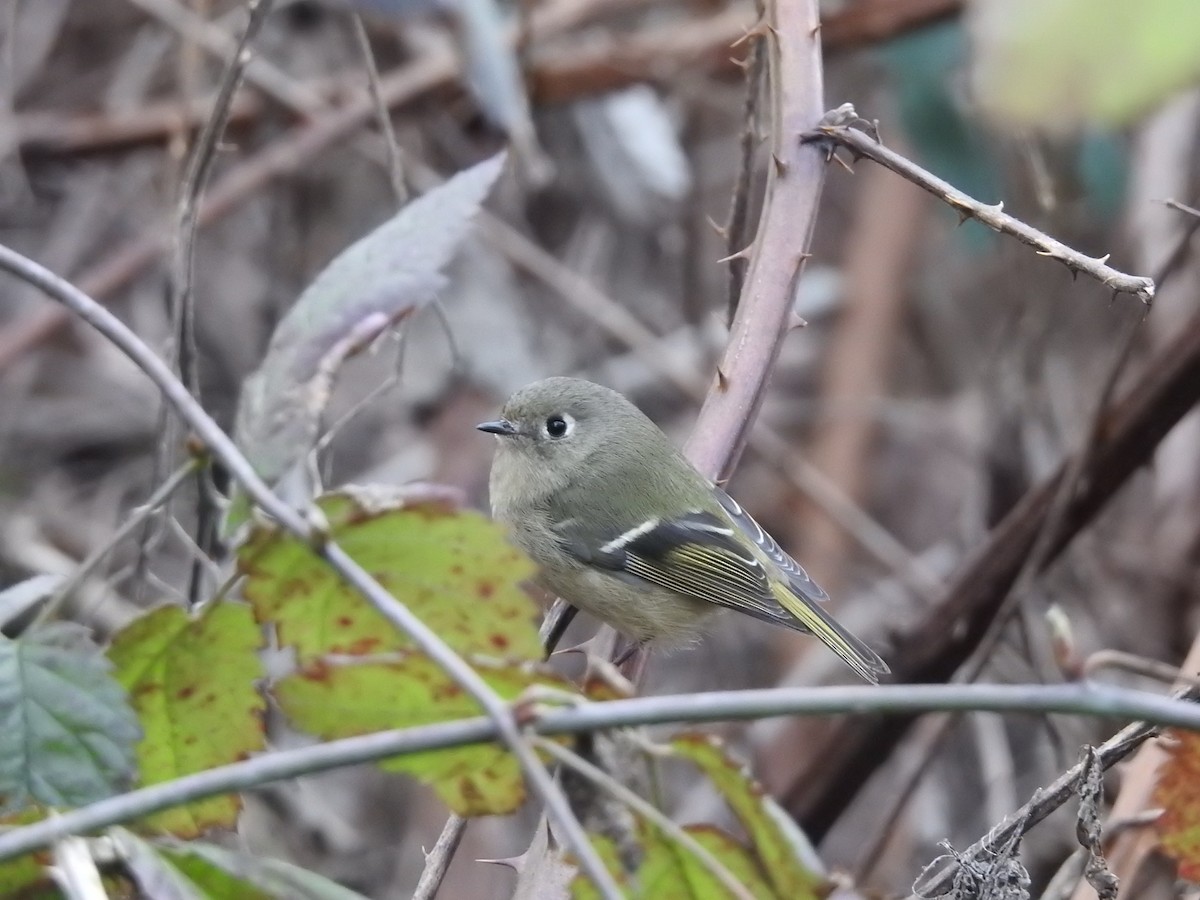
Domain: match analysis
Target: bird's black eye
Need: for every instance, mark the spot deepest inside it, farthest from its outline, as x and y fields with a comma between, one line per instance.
x=557, y=426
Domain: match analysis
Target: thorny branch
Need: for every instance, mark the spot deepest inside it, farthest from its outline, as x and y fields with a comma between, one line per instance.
x=794, y=77
x=842, y=127
x=182, y=302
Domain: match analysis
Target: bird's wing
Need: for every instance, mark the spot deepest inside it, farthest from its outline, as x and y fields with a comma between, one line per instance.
x=699, y=554
x=798, y=579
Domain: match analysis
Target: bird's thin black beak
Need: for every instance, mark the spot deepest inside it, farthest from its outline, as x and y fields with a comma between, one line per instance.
x=500, y=426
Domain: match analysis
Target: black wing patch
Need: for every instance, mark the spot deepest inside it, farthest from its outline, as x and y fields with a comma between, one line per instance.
x=697, y=554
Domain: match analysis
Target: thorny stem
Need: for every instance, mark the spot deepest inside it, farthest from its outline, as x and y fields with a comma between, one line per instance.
x=841, y=127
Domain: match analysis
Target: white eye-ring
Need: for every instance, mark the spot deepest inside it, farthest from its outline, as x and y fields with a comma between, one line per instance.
x=558, y=426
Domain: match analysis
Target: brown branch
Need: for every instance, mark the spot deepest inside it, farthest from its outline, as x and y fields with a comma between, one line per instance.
x=794, y=182
x=840, y=129
x=935, y=647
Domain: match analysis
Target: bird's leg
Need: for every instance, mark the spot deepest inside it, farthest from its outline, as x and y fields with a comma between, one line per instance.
x=555, y=625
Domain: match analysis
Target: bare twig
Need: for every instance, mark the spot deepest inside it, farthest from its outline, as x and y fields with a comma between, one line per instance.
x=382, y=114
x=134, y=518
x=75, y=872
x=1078, y=699
x=437, y=860
x=182, y=302
x=304, y=525
x=216, y=41
x=195, y=177
x=840, y=130
x=1183, y=208
x=1137, y=665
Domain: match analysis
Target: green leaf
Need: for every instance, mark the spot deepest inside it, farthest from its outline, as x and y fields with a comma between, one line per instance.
x=778, y=848
x=673, y=872
x=192, y=680
x=334, y=701
x=227, y=875
x=1057, y=64
x=66, y=730
x=606, y=848
x=455, y=570
x=387, y=275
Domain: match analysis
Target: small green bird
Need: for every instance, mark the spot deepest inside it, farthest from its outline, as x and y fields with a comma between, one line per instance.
x=625, y=528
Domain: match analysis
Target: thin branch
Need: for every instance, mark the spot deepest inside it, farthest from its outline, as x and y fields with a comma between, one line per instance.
x=1183, y=208
x=840, y=129
x=195, y=176
x=133, y=519
x=382, y=115
x=437, y=860
x=182, y=302
x=299, y=96
x=585, y=67
x=650, y=813
x=303, y=525
x=1081, y=698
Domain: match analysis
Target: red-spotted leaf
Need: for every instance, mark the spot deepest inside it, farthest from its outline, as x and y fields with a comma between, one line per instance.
x=193, y=684
x=454, y=569
x=779, y=848
x=67, y=732
x=334, y=701
x=1178, y=793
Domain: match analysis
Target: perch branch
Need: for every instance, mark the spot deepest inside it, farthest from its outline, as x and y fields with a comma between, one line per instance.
x=841, y=128
x=1080, y=698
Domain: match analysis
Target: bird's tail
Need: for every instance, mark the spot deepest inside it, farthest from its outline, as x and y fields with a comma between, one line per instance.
x=861, y=658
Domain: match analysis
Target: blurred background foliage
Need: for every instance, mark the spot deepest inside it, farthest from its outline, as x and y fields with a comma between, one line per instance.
x=944, y=370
